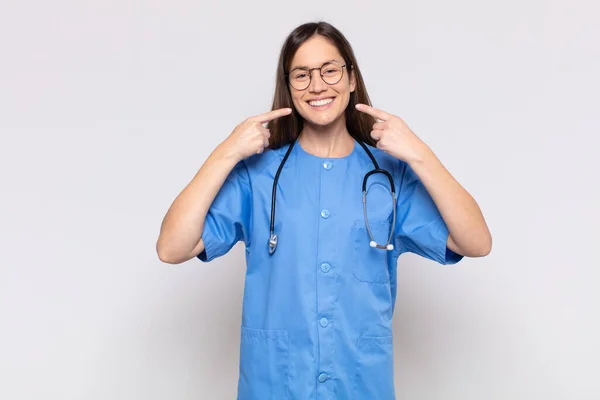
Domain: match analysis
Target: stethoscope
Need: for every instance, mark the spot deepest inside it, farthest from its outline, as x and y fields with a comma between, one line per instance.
x=388, y=246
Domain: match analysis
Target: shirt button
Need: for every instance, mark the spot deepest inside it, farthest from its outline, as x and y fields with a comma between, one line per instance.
x=324, y=322
x=325, y=213
x=322, y=377
x=325, y=267
x=327, y=165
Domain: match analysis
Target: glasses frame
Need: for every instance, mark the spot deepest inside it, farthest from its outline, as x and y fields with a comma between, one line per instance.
x=287, y=76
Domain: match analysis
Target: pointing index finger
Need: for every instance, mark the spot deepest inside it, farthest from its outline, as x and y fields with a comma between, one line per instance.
x=375, y=112
x=271, y=115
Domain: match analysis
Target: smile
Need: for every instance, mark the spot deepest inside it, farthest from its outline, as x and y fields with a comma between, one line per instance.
x=321, y=104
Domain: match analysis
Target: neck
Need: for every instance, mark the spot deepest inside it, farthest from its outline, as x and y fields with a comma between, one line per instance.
x=329, y=141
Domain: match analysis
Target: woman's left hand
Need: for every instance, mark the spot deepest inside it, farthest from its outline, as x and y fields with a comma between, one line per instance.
x=395, y=137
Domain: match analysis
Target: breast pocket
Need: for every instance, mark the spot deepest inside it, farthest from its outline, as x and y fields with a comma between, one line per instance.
x=370, y=264
x=263, y=364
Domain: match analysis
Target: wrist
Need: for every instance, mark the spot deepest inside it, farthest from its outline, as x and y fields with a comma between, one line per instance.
x=423, y=156
x=226, y=152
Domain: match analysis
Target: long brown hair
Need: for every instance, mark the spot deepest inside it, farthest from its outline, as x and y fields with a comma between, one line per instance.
x=286, y=129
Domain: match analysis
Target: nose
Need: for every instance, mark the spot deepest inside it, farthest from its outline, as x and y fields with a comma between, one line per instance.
x=316, y=83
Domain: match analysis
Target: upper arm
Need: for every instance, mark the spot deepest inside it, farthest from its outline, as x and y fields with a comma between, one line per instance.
x=420, y=228
x=452, y=246
x=229, y=216
x=199, y=248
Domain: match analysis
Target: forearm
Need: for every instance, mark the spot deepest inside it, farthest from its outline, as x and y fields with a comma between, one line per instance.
x=466, y=225
x=182, y=226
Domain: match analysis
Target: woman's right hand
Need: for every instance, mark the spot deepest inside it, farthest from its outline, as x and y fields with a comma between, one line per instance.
x=250, y=136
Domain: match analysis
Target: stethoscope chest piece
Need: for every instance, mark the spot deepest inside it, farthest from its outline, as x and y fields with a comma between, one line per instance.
x=272, y=243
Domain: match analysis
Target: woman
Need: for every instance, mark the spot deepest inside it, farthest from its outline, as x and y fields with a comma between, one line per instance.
x=321, y=284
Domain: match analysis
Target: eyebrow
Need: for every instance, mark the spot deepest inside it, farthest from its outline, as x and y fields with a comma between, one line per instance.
x=305, y=67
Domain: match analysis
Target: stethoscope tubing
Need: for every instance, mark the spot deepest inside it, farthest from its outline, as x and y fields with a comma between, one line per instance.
x=273, y=239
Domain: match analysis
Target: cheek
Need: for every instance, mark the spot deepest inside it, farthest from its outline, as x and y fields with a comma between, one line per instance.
x=297, y=101
x=344, y=97
x=299, y=106
x=344, y=91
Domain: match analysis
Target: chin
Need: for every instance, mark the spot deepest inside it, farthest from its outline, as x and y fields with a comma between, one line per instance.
x=321, y=120
x=327, y=120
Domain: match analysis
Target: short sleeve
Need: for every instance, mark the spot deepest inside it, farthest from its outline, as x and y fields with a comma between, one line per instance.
x=229, y=216
x=420, y=228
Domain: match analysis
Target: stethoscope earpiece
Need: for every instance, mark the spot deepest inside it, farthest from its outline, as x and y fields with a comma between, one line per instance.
x=374, y=244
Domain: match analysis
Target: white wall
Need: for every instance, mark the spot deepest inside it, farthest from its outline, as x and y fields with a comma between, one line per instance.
x=108, y=108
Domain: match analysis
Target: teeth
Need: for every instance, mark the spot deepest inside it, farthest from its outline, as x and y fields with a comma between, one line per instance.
x=320, y=102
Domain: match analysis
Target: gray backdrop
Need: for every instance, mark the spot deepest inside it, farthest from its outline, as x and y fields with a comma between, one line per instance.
x=108, y=108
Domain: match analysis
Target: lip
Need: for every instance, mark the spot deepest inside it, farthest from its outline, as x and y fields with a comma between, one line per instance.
x=322, y=108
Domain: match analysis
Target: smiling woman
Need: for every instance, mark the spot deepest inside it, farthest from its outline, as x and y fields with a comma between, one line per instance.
x=318, y=64
x=318, y=304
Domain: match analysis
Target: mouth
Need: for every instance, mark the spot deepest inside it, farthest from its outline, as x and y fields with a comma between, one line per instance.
x=321, y=105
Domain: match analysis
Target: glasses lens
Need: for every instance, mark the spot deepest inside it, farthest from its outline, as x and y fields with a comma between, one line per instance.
x=331, y=73
x=299, y=79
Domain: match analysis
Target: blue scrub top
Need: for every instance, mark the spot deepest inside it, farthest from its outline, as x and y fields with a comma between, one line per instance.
x=317, y=314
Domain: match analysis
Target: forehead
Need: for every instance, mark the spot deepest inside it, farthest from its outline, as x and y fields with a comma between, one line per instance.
x=314, y=52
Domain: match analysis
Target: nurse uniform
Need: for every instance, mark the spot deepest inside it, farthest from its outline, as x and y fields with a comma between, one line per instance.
x=317, y=313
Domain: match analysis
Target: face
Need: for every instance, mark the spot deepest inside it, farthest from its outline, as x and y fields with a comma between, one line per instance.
x=313, y=54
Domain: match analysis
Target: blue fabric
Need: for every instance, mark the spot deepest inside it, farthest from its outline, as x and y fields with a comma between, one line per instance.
x=317, y=314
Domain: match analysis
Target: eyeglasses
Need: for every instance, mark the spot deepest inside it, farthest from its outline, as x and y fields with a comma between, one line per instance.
x=331, y=73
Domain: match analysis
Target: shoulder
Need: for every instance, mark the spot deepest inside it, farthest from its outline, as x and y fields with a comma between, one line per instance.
x=259, y=163
x=386, y=161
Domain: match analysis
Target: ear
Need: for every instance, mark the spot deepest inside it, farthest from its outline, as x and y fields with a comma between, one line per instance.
x=352, y=81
